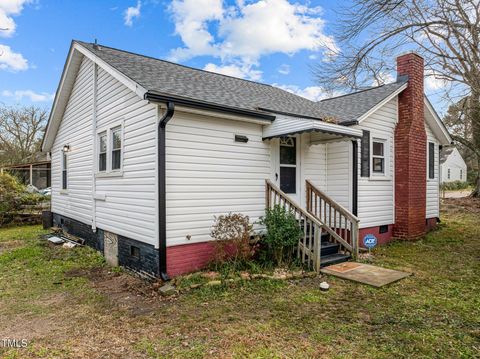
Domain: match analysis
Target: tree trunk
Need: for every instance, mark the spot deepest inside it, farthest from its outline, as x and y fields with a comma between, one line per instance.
x=475, y=119
x=476, y=190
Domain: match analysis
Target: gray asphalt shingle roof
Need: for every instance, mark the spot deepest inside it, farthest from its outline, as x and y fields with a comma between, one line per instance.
x=350, y=107
x=167, y=78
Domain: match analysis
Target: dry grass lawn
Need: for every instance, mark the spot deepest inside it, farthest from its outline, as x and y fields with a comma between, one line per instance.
x=68, y=304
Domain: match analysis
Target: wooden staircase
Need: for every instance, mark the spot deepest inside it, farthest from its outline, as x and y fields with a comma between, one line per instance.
x=330, y=231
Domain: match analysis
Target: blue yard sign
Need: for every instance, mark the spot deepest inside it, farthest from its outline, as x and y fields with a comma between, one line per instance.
x=369, y=241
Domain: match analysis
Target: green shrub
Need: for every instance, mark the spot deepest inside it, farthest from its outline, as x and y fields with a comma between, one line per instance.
x=13, y=197
x=454, y=186
x=283, y=234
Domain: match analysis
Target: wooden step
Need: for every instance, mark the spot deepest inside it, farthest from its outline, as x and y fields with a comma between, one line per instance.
x=329, y=248
x=333, y=259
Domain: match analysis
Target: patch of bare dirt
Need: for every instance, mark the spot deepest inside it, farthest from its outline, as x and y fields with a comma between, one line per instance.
x=5, y=246
x=468, y=204
x=125, y=291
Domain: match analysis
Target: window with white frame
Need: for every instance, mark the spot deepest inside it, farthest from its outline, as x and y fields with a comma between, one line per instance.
x=64, y=170
x=110, y=150
x=102, y=152
x=116, y=140
x=448, y=173
x=378, y=156
x=461, y=174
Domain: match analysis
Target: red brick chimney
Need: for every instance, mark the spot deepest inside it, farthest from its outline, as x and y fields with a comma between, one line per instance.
x=410, y=152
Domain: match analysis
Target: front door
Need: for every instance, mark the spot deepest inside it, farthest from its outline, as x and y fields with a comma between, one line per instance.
x=288, y=168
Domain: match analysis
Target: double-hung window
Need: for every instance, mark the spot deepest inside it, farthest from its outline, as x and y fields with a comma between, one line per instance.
x=378, y=156
x=110, y=150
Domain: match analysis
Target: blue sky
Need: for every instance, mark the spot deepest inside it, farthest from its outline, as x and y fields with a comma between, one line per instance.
x=271, y=41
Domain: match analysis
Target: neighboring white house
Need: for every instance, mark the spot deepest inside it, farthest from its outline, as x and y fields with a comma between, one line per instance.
x=452, y=165
x=146, y=152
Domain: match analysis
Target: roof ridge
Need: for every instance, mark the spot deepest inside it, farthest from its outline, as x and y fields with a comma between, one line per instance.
x=173, y=63
x=359, y=91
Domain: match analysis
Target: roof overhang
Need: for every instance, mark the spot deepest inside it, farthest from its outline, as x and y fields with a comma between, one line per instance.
x=377, y=106
x=264, y=117
x=75, y=57
x=436, y=124
x=287, y=126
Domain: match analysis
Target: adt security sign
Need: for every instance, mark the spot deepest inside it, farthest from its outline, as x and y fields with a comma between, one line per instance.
x=369, y=241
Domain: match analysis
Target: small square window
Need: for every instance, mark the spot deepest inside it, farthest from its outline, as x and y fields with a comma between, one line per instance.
x=377, y=148
x=383, y=229
x=135, y=252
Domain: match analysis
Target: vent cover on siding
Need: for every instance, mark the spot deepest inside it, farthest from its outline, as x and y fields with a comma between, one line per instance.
x=365, y=155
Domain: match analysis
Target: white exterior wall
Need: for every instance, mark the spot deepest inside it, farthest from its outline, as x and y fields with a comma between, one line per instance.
x=455, y=163
x=376, y=195
x=129, y=205
x=433, y=196
x=76, y=131
x=209, y=174
x=339, y=172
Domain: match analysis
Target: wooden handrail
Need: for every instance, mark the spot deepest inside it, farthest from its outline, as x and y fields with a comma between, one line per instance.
x=332, y=203
x=291, y=202
x=309, y=247
x=343, y=226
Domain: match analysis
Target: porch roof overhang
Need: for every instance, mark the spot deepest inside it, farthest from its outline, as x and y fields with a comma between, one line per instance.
x=287, y=126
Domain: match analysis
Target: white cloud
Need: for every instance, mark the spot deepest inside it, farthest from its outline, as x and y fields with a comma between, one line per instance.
x=191, y=19
x=10, y=60
x=433, y=81
x=246, y=31
x=9, y=8
x=131, y=13
x=33, y=96
x=284, y=69
x=242, y=71
x=383, y=78
x=314, y=93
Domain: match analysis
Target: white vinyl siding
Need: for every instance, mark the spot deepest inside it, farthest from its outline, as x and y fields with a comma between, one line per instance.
x=432, y=183
x=314, y=164
x=376, y=200
x=339, y=174
x=76, y=131
x=209, y=174
x=130, y=207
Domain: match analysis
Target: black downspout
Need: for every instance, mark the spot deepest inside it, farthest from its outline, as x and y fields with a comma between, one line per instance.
x=162, y=188
x=355, y=178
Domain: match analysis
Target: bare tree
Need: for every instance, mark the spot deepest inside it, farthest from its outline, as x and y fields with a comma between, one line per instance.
x=445, y=32
x=21, y=130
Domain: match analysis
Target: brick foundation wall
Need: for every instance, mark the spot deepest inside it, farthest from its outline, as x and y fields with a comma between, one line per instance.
x=410, y=152
x=146, y=263
x=383, y=238
x=431, y=224
x=188, y=258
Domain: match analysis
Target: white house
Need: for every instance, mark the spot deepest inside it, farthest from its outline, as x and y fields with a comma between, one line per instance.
x=145, y=152
x=452, y=165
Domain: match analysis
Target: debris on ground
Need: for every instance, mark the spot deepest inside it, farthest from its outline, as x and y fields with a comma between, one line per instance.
x=167, y=290
x=324, y=286
x=56, y=240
